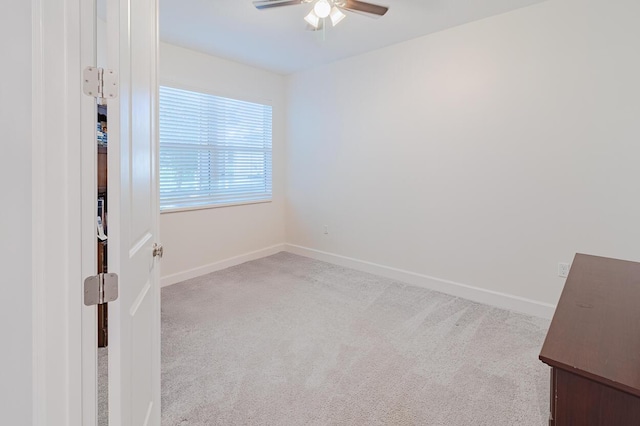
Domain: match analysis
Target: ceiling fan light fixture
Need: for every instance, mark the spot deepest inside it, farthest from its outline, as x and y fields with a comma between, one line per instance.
x=322, y=8
x=312, y=19
x=336, y=16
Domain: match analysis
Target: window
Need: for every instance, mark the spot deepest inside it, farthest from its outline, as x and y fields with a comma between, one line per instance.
x=213, y=150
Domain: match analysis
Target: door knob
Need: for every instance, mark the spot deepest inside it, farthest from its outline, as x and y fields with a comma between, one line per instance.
x=158, y=250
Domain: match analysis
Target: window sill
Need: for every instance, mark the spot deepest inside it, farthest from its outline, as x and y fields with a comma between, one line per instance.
x=213, y=206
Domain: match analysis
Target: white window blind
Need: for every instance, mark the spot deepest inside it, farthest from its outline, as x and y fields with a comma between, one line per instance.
x=213, y=150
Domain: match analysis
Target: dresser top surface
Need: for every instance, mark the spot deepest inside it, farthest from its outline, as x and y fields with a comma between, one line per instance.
x=595, y=331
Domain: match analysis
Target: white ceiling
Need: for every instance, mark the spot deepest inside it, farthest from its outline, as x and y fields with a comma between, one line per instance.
x=276, y=39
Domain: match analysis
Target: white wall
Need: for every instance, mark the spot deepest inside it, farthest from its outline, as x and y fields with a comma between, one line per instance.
x=484, y=154
x=15, y=213
x=195, y=241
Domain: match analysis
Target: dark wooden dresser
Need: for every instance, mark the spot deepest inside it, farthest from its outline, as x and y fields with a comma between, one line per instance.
x=593, y=345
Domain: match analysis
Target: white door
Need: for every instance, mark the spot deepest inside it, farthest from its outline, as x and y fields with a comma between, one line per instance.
x=134, y=319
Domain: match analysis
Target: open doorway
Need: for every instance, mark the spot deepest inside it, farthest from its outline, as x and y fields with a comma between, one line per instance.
x=102, y=142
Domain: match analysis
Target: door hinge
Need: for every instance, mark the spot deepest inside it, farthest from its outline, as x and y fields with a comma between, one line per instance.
x=101, y=288
x=100, y=83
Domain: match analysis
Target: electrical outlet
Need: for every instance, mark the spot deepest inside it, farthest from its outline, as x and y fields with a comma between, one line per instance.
x=326, y=229
x=563, y=270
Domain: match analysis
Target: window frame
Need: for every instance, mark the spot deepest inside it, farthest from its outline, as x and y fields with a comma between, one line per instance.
x=233, y=96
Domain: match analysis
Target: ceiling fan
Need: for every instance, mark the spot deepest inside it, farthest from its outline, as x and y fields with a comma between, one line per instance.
x=332, y=9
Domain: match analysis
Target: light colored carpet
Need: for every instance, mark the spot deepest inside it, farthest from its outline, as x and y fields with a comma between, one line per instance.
x=287, y=340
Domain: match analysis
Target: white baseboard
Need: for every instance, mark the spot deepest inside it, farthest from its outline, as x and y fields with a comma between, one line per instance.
x=476, y=294
x=222, y=264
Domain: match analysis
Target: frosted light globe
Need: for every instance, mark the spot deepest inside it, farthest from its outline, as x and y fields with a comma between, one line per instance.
x=322, y=8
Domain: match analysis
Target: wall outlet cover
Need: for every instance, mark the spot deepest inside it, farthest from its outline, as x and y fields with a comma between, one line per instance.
x=563, y=269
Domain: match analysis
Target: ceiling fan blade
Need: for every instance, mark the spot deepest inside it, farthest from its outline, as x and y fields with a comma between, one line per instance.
x=365, y=8
x=267, y=4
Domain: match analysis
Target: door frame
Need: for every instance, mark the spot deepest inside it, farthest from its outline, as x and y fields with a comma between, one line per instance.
x=64, y=361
